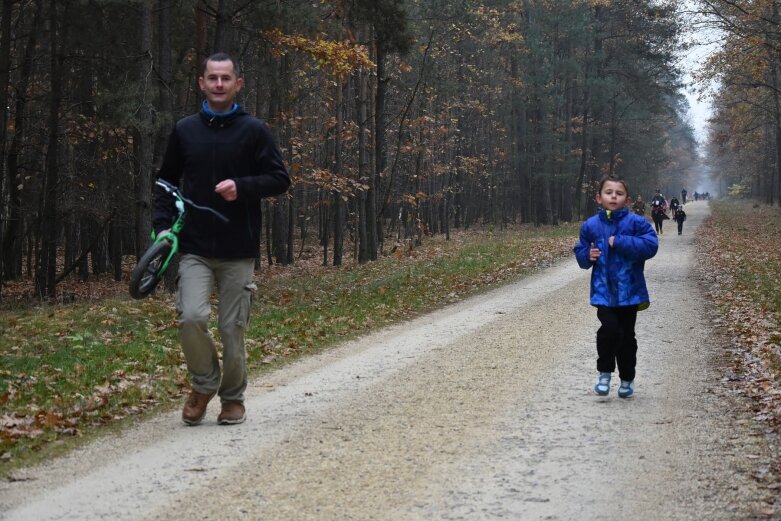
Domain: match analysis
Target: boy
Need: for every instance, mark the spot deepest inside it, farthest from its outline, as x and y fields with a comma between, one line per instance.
x=615, y=244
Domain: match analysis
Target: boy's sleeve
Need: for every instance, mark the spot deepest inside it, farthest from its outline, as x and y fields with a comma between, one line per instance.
x=582, y=248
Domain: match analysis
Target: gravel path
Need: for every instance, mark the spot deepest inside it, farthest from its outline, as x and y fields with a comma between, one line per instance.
x=482, y=410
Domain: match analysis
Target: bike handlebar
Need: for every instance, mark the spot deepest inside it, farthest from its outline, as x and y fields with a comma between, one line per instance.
x=174, y=191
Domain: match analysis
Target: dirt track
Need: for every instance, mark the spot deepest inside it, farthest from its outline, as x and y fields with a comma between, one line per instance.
x=483, y=410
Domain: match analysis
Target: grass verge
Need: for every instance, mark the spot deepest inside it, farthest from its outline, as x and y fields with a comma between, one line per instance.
x=71, y=372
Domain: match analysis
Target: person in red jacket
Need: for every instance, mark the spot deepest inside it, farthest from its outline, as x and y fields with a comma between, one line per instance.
x=227, y=160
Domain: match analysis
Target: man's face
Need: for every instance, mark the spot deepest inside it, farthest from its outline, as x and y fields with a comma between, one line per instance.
x=220, y=85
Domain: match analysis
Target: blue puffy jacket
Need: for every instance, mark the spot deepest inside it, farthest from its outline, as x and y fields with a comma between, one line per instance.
x=617, y=276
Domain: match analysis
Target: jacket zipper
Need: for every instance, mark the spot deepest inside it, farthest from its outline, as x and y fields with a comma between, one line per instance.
x=214, y=183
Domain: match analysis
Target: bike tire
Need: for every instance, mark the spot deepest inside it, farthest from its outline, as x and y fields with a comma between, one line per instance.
x=147, y=272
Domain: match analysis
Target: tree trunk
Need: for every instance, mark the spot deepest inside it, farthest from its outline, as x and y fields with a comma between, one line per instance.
x=302, y=221
x=776, y=63
x=613, y=137
x=13, y=240
x=380, y=155
x=145, y=133
x=166, y=72
x=584, y=154
x=224, y=33
x=364, y=249
x=291, y=227
x=337, y=197
x=266, y=212
x=325, y=224
x=5, y=72
x=165, y=114
x=115, y=247
x=84, y=241
x=201, y=8
x=47, y=264
x=278, y=230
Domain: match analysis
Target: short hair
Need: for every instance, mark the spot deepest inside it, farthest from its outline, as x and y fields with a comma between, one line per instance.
x=221, y=57
x=614, y=178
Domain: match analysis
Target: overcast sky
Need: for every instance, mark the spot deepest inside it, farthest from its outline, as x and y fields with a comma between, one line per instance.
x=707, y=43
x=700, y=109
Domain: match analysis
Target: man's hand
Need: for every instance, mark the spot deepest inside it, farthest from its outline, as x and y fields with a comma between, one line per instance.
x=227, y=189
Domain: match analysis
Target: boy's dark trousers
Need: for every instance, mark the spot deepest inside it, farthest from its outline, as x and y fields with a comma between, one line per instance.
x=680, y=226
x=616, y=342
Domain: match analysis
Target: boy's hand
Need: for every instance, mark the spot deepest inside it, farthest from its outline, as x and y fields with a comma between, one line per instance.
x=594, y=253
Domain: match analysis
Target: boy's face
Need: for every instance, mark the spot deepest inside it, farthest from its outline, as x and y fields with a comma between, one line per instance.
x=612, y=196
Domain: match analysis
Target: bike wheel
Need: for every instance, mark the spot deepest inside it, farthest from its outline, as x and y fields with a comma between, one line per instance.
x=147, y=272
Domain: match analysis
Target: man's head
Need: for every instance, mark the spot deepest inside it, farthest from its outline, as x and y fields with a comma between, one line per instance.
x=220, y=81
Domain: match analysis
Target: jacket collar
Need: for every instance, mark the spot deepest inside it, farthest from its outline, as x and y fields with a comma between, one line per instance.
x=607, y=215
x=221, y=118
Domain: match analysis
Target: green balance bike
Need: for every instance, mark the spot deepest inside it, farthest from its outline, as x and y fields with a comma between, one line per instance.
x=155, y=261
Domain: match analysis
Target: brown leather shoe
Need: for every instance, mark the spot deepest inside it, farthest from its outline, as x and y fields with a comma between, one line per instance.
x=195, y=407
x=232, y=413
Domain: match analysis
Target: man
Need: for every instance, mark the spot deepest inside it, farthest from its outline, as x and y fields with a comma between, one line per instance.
x=227, y=160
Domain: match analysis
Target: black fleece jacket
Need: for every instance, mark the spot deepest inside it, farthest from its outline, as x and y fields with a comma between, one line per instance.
x=204, y=150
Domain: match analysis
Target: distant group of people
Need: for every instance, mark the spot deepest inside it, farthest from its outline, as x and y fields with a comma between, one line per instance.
x=660, y=206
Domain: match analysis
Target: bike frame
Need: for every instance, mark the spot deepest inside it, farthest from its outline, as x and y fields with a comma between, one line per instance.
x=173, y=233
x=157, y=258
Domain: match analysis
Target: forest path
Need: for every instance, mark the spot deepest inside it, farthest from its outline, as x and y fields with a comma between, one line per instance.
x=482, y=410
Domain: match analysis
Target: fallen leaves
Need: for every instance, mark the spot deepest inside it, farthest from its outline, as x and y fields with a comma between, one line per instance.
x=740, y=262
x=14, y=426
